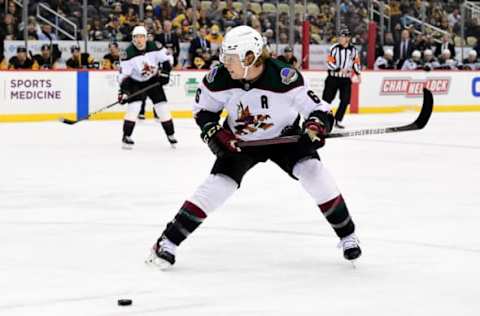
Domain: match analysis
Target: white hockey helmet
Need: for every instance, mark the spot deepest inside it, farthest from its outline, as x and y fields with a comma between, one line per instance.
x=239, y=41
x=472, y=53
x=427, y=52
x=416, y=55
x=388, y=52
x=139, y=30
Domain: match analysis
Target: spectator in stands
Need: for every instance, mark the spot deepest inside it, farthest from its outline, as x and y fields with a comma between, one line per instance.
x=117, y=32
x=215, y=38
x=79, y=60
x=22, y=60
x=31, y=30
x=169, y=40
x=423, y=42
x=3, y=62
x=230, y=16
x=471, y=62
x=389, y=40
x=8, y=27
x=403, y=49
x=149, y=12
x=2, y=39
x=477, y=47
x=268, y=40
x=48, y=57
x=454, y=18
x=112, y=59
x=118, y=12
x=385, y=61
x=45, y=34
x=283, y=38
x=445, y=44
x=203, y=60
x=12, y=10
x=288, y=57
x=198, y=44
x=184, y=20
x=214, y=13
x=429, y=61
x=414, y=62
x=96, y=32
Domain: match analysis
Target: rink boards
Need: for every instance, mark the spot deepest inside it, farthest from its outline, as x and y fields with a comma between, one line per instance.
x=48, y=95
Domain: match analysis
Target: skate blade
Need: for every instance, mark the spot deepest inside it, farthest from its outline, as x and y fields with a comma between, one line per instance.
x=173, y=146
x=127, y=147
x=158, y=264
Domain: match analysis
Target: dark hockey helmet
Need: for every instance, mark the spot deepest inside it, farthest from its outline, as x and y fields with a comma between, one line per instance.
x=345, y=32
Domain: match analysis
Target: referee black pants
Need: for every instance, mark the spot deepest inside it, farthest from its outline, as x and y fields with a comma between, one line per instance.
x=334, y=84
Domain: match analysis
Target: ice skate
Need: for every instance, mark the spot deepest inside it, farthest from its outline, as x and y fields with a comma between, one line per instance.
x=162, y=255
x=172, y=140
x=127, y=143
x=350, y=246
x=338, y=125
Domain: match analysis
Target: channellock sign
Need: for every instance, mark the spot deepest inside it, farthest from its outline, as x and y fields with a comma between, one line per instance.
x=452, y=90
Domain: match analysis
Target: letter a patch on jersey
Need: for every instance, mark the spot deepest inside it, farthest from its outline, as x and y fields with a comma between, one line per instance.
x=288, y=75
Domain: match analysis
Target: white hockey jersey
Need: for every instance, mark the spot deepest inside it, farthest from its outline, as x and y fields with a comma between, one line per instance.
x=410, y=64
x=142, y=65
x=260, y=109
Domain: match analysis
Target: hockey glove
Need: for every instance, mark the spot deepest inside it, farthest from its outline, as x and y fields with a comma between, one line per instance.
x=122, y=97
x=219, y=140
x=164, y=73
x=316, y=127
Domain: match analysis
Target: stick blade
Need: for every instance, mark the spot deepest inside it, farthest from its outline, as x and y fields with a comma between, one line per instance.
x=67, y=121
x=426, y=110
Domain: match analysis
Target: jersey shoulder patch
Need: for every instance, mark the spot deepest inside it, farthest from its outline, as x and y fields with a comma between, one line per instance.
x=218, y=79
x=288, y=75
x=279, y=77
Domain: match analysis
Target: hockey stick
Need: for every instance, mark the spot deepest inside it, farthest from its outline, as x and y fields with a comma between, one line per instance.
x=419, y=123
x=71, y=122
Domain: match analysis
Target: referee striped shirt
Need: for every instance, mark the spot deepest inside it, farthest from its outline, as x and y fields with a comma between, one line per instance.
x=343, y=58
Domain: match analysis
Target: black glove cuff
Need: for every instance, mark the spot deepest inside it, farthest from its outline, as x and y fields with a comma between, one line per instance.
x=326, y=118
x=209, y=130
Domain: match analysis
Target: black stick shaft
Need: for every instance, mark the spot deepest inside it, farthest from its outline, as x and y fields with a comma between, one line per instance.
x=419, y=123
x=137, y=93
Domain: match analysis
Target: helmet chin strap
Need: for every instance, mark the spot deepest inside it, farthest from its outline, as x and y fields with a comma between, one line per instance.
x=245, y=72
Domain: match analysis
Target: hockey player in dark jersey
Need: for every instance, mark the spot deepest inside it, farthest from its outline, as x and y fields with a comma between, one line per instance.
x=144, y=65
x=265, y=99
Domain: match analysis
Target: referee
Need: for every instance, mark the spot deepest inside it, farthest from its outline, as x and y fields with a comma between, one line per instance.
x=342, y=60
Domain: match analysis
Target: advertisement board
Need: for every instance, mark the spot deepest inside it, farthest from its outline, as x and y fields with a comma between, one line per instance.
x=34, y=94
x=396, y=90
x=41, y=95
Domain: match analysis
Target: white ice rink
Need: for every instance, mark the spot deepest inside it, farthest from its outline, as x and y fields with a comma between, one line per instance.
x=78, y=216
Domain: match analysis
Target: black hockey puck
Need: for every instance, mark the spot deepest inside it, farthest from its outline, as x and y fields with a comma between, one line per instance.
x=124, y=302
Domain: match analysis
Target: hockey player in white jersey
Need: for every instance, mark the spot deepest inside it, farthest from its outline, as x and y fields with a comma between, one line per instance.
x=414, y=62
x=385, y=62
x=264, y=99
x=142, y=65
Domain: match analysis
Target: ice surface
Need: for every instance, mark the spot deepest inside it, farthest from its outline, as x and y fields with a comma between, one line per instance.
x=78, y=216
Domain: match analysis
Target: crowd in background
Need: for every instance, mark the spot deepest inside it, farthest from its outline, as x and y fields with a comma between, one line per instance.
x=170, y=22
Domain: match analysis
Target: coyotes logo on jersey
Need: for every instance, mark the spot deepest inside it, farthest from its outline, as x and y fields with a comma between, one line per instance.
x=250, y=123
x=148, y=70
